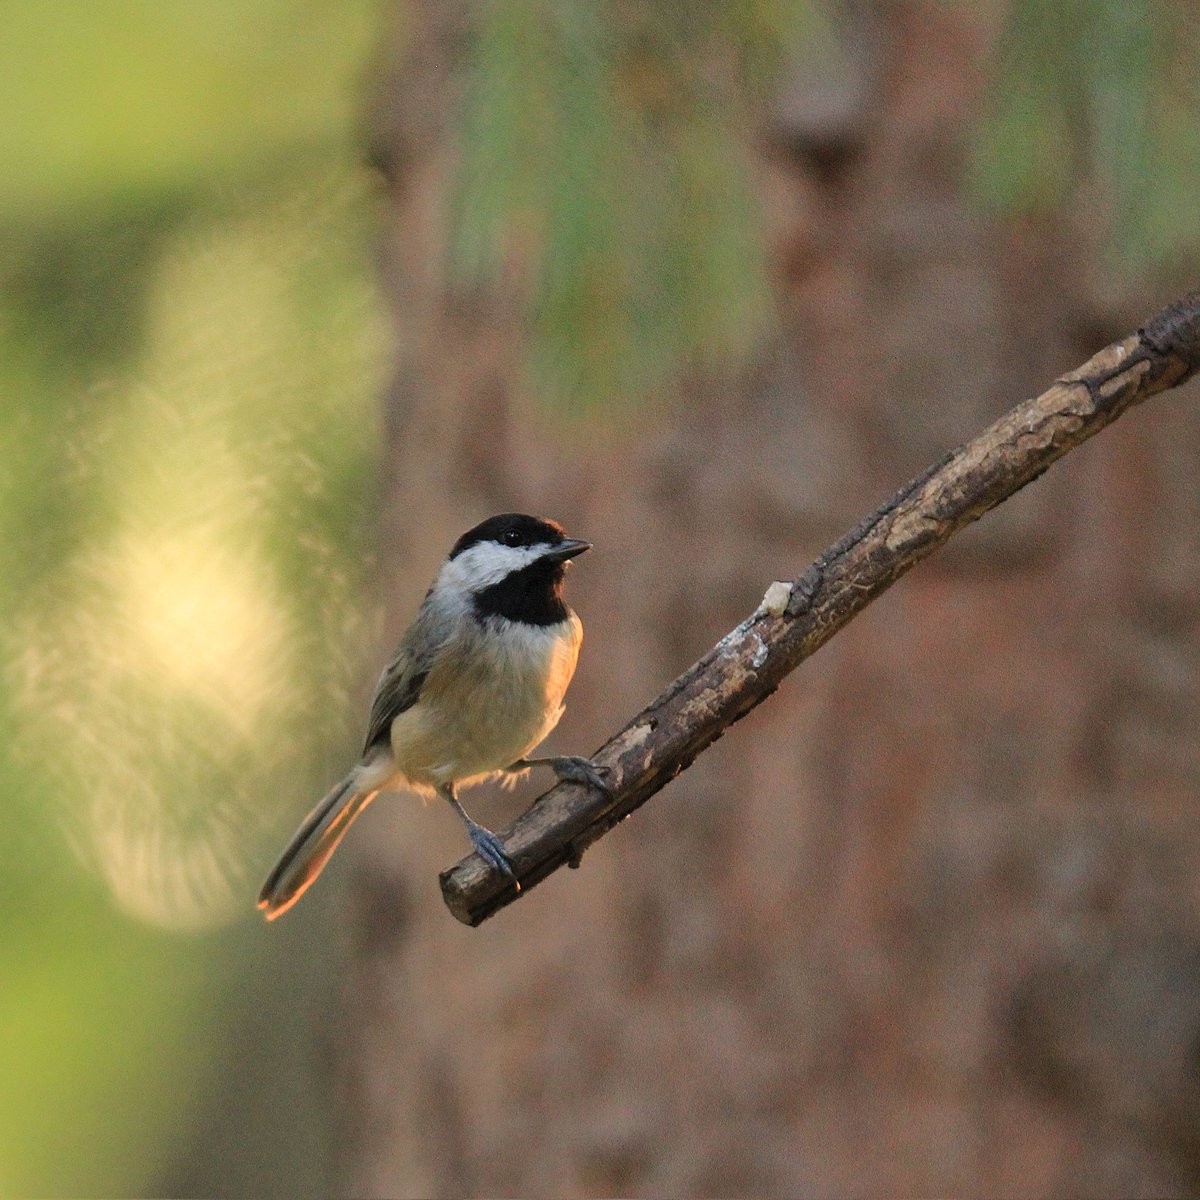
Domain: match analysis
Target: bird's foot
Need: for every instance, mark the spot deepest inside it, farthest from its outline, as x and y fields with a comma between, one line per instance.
x=576, y=769
x=487, y=846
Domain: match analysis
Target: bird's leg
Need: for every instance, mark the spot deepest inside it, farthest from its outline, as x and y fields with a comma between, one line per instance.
x=572, y=767
x=486, y=843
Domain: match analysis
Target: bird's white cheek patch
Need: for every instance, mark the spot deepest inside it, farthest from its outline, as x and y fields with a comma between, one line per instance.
x=486, y=563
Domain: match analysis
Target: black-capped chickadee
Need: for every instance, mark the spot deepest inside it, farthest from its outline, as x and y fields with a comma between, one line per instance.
x=476, y=683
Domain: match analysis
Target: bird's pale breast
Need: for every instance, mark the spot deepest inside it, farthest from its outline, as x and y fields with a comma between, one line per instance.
x=487, y=702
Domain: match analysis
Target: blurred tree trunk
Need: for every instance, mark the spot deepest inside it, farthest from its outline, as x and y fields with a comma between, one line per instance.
x=984, y=974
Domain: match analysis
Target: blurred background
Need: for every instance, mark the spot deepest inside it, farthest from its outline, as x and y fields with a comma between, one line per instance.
x=293, y=293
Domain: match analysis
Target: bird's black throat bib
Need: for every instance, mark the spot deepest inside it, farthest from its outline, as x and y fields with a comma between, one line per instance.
x=532, y=595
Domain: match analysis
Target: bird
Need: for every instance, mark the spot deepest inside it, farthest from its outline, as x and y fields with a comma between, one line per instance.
x=476, y=683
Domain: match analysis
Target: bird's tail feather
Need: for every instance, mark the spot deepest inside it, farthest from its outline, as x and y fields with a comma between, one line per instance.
x=309, y=850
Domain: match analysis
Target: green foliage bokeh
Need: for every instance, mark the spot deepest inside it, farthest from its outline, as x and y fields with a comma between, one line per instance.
x=190, y=356
x=1098, y=102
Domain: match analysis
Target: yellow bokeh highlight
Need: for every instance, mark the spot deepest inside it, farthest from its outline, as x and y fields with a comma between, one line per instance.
x=187, y=669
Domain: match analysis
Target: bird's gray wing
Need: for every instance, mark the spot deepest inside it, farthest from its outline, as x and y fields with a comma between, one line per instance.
x=399, y=686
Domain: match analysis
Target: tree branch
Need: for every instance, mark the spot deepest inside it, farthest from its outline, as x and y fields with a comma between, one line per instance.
x=796, y=619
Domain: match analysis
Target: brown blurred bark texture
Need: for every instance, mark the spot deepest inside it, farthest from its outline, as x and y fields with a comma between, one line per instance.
x=927, y=923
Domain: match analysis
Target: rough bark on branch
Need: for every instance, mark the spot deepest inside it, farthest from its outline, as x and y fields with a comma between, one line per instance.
x=749, y=663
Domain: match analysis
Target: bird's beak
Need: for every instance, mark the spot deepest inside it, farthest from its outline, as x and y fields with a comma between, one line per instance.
x=568, y=549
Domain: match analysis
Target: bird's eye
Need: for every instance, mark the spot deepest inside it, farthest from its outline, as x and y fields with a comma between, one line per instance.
x=512, y=538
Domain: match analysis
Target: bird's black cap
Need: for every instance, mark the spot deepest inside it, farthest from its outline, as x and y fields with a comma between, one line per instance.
x=511, y=529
